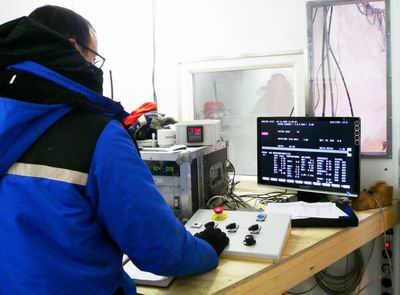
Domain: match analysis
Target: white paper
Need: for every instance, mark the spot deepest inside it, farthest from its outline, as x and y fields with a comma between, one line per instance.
x=145, y=278
x=306, y=210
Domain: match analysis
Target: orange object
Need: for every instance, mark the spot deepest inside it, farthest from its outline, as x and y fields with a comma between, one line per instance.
x=211, y=107
x=144, y=108
x=381, y=191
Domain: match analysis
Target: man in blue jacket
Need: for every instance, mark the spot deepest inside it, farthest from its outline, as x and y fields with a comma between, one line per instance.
x=74, y=193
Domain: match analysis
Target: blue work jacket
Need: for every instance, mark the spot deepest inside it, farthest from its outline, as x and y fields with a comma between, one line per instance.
x=64, y=231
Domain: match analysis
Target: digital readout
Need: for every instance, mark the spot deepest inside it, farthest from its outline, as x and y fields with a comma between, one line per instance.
x=195, y=134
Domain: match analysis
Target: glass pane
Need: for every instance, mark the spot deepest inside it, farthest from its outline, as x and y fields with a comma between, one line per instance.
x=237, y=98
x=349, y=73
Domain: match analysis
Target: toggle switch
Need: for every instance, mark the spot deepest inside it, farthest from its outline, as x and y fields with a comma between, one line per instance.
x=232, y=227
x=255, y=229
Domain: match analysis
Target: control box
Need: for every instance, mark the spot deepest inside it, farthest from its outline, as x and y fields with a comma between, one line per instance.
x=188, y=178
x=252, y=235
x=198, y=132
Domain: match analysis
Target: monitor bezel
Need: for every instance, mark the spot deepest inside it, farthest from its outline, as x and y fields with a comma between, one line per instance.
x=354, y=193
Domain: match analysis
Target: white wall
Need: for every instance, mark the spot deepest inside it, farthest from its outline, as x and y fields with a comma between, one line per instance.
x=194, y=29
x=124, y=33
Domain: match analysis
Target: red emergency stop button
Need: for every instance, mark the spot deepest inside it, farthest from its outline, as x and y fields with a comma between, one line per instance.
x=218, y=210
x=218, y=213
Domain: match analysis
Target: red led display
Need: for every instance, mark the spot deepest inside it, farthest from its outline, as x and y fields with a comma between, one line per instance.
x=195, y=130
x=194, y=134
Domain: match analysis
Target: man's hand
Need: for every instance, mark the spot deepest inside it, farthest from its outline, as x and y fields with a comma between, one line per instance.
x=215, y=237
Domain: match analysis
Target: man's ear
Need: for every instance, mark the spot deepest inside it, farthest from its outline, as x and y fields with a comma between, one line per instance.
x=75, y=44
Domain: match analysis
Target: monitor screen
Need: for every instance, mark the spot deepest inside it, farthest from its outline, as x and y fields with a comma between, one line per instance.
x=317, y=154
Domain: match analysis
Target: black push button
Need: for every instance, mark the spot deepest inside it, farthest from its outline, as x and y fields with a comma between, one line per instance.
x=249, y=240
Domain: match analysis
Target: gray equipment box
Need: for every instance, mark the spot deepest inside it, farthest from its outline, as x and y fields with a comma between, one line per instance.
x=188, y=178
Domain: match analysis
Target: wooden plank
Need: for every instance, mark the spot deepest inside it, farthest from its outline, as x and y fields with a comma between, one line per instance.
x=308, y=251
x=301, y=266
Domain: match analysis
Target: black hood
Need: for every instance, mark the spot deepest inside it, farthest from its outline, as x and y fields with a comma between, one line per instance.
x=24, y=39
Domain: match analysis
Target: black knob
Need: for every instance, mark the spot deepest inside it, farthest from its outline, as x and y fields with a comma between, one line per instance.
x=387, y=283
x=249, y=240
x=388, y=253
x=210, y=224
x=389, y=231
x=231, y=226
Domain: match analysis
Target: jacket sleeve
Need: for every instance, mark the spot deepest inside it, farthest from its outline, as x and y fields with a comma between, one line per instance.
x=127, y=203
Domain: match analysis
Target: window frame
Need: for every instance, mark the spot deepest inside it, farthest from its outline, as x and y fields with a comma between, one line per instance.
x=287, y=59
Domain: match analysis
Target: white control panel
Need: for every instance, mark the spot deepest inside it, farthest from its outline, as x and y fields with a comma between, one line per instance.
x=252, y=235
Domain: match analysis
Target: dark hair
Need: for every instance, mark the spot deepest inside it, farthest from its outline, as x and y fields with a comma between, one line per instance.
x=64, y=21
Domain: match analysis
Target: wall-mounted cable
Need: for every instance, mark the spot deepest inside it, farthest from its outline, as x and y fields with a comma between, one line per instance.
x=111, y=85
x=323, y=47
x=328, y=63
x=154, y=51
x=327, y=50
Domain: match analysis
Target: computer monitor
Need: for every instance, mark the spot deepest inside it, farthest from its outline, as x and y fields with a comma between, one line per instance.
x=317, y=155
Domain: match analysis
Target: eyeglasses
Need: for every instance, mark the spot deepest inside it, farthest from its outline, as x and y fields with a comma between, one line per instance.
x=98, y=60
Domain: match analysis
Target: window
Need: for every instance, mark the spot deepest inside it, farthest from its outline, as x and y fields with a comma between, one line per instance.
x=349, y=71
x=236, y=91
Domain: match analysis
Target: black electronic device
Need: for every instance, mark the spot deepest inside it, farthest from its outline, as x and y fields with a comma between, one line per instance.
x=316, y=156
x=195, y=134
x=188, y=178
x=313, y=154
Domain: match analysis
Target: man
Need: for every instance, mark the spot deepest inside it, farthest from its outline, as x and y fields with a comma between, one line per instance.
x=74, y=193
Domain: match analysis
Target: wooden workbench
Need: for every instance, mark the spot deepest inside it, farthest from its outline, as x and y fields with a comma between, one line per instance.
x=308, y=251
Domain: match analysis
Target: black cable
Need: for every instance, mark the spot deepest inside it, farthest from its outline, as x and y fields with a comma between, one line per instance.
x=316, y=79
x=322, y=61
x=328, y=42
x=154, y=52
x=291, y=112
x=111, y=85
x=234, y=201
x=303, y=292
x=342, y=77
x=333, y=284
x=230, y=192
x=337, y=92
x=343, y=80
x=315, y=15
x=346, y=273
x=336, y=70
x=229, y=196
x=366, y=264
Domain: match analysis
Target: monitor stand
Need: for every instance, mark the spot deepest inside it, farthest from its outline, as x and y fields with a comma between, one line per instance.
x=310, y=197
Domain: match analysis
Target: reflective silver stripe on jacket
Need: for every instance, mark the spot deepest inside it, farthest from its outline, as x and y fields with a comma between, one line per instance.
x=42, y=171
